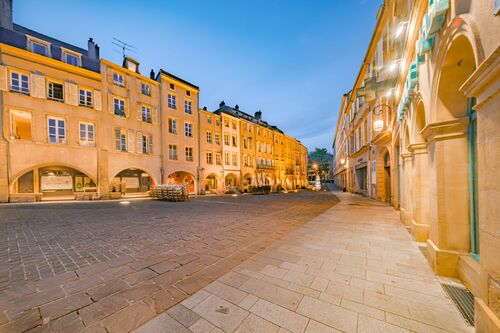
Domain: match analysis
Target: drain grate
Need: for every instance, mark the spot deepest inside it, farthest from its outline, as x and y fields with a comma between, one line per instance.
x=463, y=299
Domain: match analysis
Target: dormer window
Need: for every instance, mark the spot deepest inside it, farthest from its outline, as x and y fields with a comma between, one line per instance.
x=146, y=89
x=71, y=58
x=118, y=79
x=39, y=47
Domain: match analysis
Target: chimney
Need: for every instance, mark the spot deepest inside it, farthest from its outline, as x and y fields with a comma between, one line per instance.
x=221, y=104
x=93, y=49
x=258, y=114
x=237, y=107
x=152, y=75
x=6, y=14
x=205, y=108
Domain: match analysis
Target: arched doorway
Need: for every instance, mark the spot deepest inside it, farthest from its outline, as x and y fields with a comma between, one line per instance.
x=181, y=178
x=211, y=183
x=231, y=180
x=247, y=182
x=387, y=177
x=132, y=181
x=55, y=183
x=454, y=156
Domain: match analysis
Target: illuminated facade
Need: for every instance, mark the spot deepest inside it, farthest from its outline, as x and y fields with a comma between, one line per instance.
x=423, y=116
x=75, y=126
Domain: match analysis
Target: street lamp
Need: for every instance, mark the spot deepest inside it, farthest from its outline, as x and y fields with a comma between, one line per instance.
x=378, y=123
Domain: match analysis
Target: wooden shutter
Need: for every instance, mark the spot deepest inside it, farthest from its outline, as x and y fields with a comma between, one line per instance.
x=131, y=141
x=97, y=100
x=139, y=111
x=150, y=144
x=128, y=113
x=70, y=93
x=37, y=85
x=139, y=142
x=4, y=80
x=110, y=103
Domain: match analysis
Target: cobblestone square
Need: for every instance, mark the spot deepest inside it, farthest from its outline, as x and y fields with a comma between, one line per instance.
x=88, y=265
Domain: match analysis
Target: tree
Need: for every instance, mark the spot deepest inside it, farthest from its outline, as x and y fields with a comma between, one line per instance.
x=322, y=159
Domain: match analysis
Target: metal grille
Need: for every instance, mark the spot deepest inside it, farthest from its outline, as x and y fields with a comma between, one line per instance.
x=463, y=299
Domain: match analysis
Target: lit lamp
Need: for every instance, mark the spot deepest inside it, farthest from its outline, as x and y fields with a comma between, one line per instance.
x=378, y=123
x=342, y=161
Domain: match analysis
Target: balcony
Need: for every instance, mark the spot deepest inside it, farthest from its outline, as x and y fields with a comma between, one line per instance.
x=265, y=167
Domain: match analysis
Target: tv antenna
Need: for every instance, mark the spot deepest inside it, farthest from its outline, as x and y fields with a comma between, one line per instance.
x=125, y=47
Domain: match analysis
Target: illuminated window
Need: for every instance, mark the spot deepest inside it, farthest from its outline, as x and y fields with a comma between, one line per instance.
x=21, y=125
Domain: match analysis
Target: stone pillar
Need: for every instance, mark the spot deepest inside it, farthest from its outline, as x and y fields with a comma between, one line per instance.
x=4, y=180
x=406, y=189
x=419, y=221
x=449, y=234
x=484, y=84
x=102, y=174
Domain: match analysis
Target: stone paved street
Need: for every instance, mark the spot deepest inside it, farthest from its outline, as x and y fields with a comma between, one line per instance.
x=354, y=268
x=68, y=267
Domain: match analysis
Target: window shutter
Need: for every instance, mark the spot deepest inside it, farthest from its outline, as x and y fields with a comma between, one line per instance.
x=139, y=142
x=110, y=103
x=139, y=111
x=70, y=93
x=150, y=144
x=3, y=78
x=127, y=111
x=97, y=100
x=37, y=84
x=131, y=141
x=117, y=139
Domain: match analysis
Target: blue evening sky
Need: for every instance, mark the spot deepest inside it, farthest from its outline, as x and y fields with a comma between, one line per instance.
x=291, y=59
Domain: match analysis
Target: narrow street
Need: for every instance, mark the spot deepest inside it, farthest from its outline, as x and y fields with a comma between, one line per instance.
x=354, y=268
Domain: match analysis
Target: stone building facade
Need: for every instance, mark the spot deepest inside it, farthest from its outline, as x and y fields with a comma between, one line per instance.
x=423, y=113
x=76, y=126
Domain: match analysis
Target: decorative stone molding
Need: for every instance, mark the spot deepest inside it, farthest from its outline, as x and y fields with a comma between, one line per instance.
x=444, y=130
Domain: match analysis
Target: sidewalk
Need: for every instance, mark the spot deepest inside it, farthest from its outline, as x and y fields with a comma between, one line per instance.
x=354, y=268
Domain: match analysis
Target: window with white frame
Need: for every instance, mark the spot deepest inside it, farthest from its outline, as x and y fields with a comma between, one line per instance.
x=172, y=126
x=39, y=47
x=226, y=139
x=145, y=89
x=209, y=137
x=189, y=153
x=147, y=144
x=172, y=152
x=120, y=139
x=118, y=79
x=172, y=103
x=86, y=134
x=227, y=159
x=217, y=138
x=146, y=114
x=85, y=97
x=210, y=158
x=188, y=129
x=19, y=83
x=71, y=58
x=119, y=106
x=56, y=91
x=56, y=130
x=218, y=159
x=187, y=107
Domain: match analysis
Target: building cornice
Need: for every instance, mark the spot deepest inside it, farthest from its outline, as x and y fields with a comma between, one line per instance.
x=484, y=83
x=447, y=129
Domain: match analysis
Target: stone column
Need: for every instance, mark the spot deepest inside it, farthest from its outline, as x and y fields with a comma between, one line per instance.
x=102, y=174
x=419, y=221
x=4, y=181
x=484, y=85
x=406, y=209
x=449, y=234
